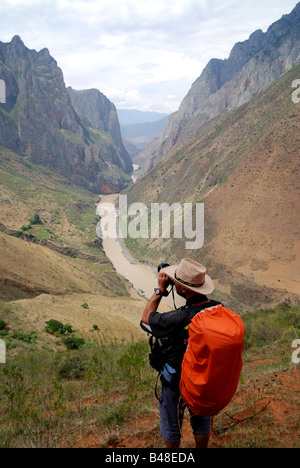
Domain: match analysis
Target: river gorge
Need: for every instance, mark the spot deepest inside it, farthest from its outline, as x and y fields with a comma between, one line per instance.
x=142, y=277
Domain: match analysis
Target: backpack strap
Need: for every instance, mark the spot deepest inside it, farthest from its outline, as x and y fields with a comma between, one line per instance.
x=202, y=306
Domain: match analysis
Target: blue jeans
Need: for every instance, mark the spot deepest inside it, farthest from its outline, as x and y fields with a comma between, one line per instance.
x=172, y=407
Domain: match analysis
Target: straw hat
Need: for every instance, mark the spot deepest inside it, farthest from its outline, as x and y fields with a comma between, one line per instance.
x=191, y=275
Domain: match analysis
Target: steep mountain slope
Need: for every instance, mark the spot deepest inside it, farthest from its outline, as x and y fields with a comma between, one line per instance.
x=226, y=84
x=244, y=166
x=99, y=117
x=60, y=253
x=39, y=122
x=140, y=135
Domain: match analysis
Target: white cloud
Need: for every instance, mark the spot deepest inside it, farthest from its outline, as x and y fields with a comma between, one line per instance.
x=20, y=3
x=144, y=53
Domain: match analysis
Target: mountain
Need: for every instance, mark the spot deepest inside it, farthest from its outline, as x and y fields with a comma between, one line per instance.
x=99, y=117
x=140, y=135
x=133, y=116
x=227, y=84
x=39, y=122
x=139, y=129
x=244, y=166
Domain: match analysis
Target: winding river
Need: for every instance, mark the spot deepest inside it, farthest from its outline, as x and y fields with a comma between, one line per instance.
x=142, y=277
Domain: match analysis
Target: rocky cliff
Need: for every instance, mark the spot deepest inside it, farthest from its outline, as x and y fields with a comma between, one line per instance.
x=227, y=84
x=41, y=122
x=99, y=115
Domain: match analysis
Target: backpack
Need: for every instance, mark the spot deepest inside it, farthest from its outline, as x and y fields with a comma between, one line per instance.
x=165, y=347
x=213, y=362
x=160, y=348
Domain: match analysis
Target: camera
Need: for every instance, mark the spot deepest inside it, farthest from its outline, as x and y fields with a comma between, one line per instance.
x=162, y=265
x=165, y=265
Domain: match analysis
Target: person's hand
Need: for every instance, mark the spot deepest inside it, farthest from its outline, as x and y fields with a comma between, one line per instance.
x=163, y=281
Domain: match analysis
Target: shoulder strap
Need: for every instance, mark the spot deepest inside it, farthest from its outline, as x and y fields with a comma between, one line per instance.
x=203, y=305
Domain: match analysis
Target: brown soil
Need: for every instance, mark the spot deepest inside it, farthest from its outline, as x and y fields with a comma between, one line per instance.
x=277, y=408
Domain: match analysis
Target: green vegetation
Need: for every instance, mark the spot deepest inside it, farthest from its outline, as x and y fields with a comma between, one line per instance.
x=57, y=328
x=263, y=328
x=27, y=338
x=35, y=220
x=54, y=201
x=45, y=208
x=93, y=392
x=43, y=393
x=74, y=343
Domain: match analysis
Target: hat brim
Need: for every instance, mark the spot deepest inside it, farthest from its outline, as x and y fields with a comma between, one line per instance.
x=206, y=288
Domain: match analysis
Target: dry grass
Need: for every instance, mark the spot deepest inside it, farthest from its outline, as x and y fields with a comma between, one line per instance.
x=103, y=394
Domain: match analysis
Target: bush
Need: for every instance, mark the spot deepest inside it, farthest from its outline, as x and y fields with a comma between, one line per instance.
x=55, y=327
x=68, y=328
x=36, y=220
x=2, y=324
x=73, y=343
x=133, y=367
x=30, y=339
x=72, y=368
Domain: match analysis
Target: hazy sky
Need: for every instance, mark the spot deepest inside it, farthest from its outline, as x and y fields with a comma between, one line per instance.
x=142, y=54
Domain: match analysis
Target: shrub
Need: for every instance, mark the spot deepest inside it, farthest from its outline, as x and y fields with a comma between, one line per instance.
x=55, y=327
x=73, y=343
x=133, y=366
x=72, y=368
x=68, y=328
x=85, y=305
x=2, y=324
x=36, y=220
x=30, y=339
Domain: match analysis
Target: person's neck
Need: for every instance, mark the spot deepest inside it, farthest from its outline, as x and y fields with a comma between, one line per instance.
x=195, y=299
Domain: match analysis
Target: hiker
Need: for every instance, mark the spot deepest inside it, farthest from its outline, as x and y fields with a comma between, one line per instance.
x=171, y=332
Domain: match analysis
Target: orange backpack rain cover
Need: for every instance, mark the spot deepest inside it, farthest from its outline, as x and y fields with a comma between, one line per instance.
x=213, y=362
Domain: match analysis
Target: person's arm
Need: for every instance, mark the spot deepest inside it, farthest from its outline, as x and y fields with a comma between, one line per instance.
x=152, y=306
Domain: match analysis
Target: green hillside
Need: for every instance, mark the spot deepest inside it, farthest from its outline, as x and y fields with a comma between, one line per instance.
x=61, y=252
x=102, y=395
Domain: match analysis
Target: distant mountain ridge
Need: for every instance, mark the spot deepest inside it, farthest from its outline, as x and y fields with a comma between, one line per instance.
x=227, y=84
x=140, y=135
x=134, y=116
x=140, y=128
x=39, y=121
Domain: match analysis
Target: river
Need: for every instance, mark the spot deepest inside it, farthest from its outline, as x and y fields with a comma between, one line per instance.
x=142, y=277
